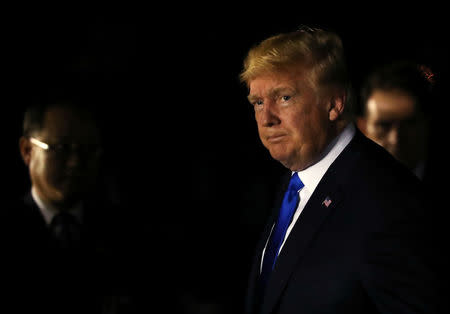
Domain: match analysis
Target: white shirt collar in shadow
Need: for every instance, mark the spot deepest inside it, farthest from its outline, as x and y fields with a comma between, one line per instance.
x=48, y=211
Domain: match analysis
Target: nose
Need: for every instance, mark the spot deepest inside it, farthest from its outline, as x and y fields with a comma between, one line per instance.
x=392, y=141
x=73, y=159
x=393, y=135
x=269, y=114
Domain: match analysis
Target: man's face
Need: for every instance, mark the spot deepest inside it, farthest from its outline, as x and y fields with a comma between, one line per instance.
x=292, y=119
x=392, y=121
x=65, y=174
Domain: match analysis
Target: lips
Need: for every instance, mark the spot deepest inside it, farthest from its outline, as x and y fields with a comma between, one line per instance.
x=274, y=138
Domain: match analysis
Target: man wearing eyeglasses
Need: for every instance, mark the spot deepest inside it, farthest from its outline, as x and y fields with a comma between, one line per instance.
x=62, y=154
x=63, y=234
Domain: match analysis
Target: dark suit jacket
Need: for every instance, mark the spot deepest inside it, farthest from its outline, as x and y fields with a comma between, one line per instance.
x=39, y=277
x=367, y=252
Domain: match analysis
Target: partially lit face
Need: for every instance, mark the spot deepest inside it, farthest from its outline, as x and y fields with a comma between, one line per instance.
x=292, y=118
x=63, y=176
x=393, y=122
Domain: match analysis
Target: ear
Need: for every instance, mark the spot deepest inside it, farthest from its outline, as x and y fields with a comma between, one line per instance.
x=25, y=149
x=337, y=104
x=361, y=123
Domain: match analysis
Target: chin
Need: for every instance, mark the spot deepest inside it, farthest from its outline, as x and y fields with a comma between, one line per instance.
x=70, y=191
x=281, y=157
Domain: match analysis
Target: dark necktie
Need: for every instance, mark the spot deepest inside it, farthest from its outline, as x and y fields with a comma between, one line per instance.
x=288, y=207
x=66, y=230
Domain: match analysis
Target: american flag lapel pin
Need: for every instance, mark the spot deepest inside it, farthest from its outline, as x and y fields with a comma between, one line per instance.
x=327, y=201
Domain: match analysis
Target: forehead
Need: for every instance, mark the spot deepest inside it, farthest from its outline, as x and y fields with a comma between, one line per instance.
x=67, y=122
x=267, y=83
x=392, y=104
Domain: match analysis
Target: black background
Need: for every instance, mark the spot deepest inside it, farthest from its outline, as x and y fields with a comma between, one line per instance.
x=181, y=143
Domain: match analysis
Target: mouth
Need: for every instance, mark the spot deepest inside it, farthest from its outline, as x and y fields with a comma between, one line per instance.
x=276, y=138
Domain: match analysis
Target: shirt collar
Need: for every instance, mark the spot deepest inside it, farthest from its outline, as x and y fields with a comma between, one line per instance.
x=312, y=175
x=48, y=211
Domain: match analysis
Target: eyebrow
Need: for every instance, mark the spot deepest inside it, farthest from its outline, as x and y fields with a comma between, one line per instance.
x=275, y=91
x=252, y=98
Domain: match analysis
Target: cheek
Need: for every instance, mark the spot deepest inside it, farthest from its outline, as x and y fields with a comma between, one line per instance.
x=43, y=169
x=307, y=129
x=260, y=129
x=37, y=165
x=299, y=125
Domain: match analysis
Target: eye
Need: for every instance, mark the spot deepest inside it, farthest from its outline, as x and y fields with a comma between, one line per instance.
x=384, y=125
x=286, y=98
x=61, y=148
x=257, y=104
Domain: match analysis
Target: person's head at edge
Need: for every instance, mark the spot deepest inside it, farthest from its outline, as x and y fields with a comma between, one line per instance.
x=396, y=109
x=300, y=89
x=60, y=146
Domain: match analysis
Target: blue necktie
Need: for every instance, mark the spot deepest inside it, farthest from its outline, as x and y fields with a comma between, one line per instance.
x=288, y=207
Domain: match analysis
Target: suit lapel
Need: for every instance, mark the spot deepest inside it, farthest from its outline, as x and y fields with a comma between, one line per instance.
x=322, y=202
x=326, y=198
x=252, y=299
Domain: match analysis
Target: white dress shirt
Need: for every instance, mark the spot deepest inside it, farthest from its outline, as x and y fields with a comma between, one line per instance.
x=312, y=175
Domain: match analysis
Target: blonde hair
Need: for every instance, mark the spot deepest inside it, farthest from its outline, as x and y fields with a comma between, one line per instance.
x=318, y=50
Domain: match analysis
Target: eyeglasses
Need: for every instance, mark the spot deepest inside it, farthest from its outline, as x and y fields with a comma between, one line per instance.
x=66, y=149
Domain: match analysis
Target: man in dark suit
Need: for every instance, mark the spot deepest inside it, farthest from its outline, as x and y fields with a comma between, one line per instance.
x=349, y=233
x=64, y=235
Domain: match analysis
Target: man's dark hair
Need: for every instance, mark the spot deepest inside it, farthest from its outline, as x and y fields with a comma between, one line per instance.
x=33, y=119
x=414, y=79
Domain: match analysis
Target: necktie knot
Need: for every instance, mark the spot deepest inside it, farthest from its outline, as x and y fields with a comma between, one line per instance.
x=66, y=229
x=63, y=218
x=295, y=185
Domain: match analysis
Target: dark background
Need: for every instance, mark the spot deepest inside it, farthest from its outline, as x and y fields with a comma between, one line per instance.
x=182, y=150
